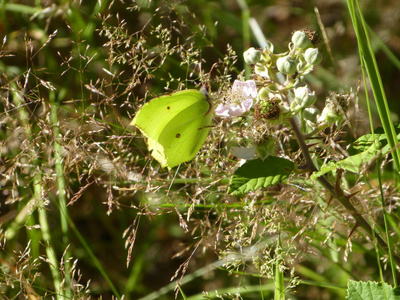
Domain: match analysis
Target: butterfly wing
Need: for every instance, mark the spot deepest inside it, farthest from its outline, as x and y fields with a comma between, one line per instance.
x=176, y=126
x=183, y=137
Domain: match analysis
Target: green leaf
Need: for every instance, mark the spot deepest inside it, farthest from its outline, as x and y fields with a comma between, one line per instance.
x=365, y=141
x=257, y=173
x=358, y=290
x=368, y=60
x=352, y=163
x=364, y=150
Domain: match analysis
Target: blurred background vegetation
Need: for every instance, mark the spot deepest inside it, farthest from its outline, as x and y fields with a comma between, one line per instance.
x=73, y=73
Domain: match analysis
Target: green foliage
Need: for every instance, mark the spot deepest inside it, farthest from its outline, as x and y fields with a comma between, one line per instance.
x=371, y=290
x=379, y=136
x=353, y=163
x=260, y=174
x=368, y=148
x=86, y=212
x=368, y=61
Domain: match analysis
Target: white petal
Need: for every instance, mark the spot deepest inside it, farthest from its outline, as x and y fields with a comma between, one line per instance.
x=247, y=89
x=222, y=110
x=229, y=110
x=247, y=104
x=251, y=89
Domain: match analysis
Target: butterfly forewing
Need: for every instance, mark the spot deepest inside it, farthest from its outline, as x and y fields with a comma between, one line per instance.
x=175, y=125
x=156, y=114
x=183, y=138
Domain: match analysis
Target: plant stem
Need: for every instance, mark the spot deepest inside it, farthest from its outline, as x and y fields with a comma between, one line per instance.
x=336, y=192
x=279, y=275
x=245, y=31
x=37, y=196
x=45, y=229
x=61, y=185
x=385, y=221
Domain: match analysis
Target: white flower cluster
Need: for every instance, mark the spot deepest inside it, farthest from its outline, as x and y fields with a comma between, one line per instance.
x=279, y=91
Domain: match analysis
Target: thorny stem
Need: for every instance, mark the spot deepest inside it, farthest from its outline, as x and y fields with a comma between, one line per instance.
x=336, y=192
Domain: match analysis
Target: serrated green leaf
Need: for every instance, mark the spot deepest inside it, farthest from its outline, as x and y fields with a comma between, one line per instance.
x=257, y=173
x=365, y=141
x=358, y=290
x=352, y=163
x=328, y=167
x=364, y=150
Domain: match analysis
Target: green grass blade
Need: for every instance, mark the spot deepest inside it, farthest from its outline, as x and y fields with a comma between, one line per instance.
x=279, y=274
x=382, y=46
x=61, y=185
x=245, y=31
x=368, y=60
x=367, y=57
x=37, y=196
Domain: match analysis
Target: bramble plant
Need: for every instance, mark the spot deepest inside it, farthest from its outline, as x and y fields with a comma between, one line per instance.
x=280, y=95
x=150, y=150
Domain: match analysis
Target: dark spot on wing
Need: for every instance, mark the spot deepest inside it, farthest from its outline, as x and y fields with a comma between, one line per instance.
x=168, y=107
x=178, y=135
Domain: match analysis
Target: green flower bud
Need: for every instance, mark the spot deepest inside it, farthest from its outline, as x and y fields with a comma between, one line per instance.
x=301, y=40
x=313, y=56
x=304, y=97
x=329, y=115
x=252, y=56
x=286, y=65
x=310, y=114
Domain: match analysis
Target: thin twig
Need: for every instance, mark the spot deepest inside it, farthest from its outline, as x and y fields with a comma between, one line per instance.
x=337, y=192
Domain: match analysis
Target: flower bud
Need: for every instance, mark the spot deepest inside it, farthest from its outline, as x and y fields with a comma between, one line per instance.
x=252, y=56
x=313, y=56
x=310, y=114
x=301, y=40
x=286, y=65
x=329, y=115
x=304, y=97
